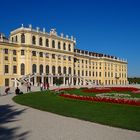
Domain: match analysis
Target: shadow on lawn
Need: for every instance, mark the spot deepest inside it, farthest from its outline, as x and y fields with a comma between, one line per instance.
x=7, y=115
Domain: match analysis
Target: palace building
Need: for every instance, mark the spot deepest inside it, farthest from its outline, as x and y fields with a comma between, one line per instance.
x=38, y=56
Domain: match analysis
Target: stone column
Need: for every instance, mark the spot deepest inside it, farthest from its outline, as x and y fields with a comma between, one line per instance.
x=42, y=77
x=35, y=80
x=52, y=80
x=72, y=81
x=64, y=80
x=49, y=80
x=15, y=82
x=76, y=81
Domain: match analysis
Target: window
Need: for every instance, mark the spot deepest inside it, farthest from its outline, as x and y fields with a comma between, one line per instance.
x=53, y=44
x=6, y=58
x=100, y=74
x=14, y=59
x=41, y=69
x=53, y=56
x=53, y=69
x=33, y=53
x=64, y=46
x=82, y=73
x=16, y=39
x=14, y=52
x=86, y=73
x=69, y=47
x=89, y=73
x=59, y=57
x=41, y=54
x=108, y=74
x=69, y=70
x=40, y=41
x=105, y=74
x=78, y=72
x=22, y=38
x=47, y=42
x=14, y=69
x=47, y=55
x=64, y=70
x=33, y=40
x=59, y=46
x=59, y=70
x=6, y=51
x=64, y=57
x=96, y=74
x=22, y=52
x=22, y=69
x=69, y=58
x=47, y=69
x=34, y=68
x=6, y=82
x=6, y=69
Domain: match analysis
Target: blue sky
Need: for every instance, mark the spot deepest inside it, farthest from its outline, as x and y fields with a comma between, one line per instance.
x=105, y=26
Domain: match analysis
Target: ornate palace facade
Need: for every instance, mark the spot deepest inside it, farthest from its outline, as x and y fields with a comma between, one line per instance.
x=37, y=56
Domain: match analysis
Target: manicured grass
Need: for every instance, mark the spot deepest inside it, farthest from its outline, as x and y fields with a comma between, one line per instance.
x=124, y=116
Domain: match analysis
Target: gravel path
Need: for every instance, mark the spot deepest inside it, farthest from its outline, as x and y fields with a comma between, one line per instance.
x=24, y=123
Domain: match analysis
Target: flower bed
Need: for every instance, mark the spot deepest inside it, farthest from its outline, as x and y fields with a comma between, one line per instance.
x=110, y=89
x=103, y=99
x=63, y=89
x=137, y=92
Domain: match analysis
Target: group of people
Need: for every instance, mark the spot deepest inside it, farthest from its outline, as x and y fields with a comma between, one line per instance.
x=44, y=86
x=28, y=84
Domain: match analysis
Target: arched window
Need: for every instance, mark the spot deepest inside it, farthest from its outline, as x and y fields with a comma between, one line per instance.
x=59, y=70
x=16, y=39
x=64, y=70
x=59, y=46
x=34, y=68
x=53, y=44
x=40, y=41
x=47, y=69
x=69, y=71
x=69, y=47
x=22, y=38
x=64, y=46
x=34, y=40
x=47, y=42
x=53, y=69
x=22, y=69
x=41, y=69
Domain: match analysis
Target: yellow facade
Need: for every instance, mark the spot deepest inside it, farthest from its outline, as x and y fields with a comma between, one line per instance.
x=38, y=56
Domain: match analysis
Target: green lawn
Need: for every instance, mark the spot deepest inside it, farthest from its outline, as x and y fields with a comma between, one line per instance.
x=116, y=115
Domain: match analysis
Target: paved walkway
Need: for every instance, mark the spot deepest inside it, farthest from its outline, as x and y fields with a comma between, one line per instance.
x=24, y=123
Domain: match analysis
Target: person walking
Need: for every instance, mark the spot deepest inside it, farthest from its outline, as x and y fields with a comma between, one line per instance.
x=48, y=86
x=41, y=86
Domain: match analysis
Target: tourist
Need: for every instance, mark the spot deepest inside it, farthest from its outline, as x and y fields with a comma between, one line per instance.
x=7, y=90
x=44, y=86
x=48, y=86
x=17, y=91
x=41, y=86
x=27, y=84
x=30, y=87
